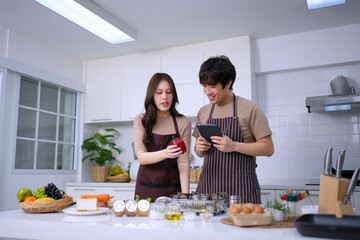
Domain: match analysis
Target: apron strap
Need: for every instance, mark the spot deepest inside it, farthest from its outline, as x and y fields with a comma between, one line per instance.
x=175, y=125
x=234, y=108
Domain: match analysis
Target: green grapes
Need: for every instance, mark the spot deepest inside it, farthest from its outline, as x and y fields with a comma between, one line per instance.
x=39, y=193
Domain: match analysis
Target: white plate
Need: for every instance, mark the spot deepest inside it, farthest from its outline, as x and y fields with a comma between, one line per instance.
x=72, y=211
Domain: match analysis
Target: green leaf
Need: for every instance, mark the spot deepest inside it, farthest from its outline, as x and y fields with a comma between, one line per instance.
x=100, y=147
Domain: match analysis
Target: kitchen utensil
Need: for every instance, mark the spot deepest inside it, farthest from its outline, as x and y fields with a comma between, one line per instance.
x=192, y=204
x=328, y=226
x=340, y=163
x=340, y=85
x=351, y=187
x=328, y=161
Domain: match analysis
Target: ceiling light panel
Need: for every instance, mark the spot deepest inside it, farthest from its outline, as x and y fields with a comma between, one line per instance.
x=93, y=18
x=313, y=4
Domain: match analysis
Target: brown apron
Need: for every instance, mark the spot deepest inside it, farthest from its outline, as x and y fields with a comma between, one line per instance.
x=231, y=172
x=162, y=178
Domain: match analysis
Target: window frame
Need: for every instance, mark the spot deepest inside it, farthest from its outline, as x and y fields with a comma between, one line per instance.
x=58, y=115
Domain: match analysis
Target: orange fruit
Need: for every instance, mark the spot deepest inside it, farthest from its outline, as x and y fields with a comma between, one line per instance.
x=234, y=209
x=30, y=199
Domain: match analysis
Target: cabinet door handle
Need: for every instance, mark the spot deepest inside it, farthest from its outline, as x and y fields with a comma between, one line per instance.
x=101, y=119
x=266, y=192
x=84, y=189
x=313, y=194
x=123, y=189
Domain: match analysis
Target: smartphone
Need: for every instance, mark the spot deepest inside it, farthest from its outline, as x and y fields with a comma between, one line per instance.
x=208, y=130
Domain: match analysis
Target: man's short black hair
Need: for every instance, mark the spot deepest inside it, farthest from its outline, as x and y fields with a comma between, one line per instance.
x=216, y=70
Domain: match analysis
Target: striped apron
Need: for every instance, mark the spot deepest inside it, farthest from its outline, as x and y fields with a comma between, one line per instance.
x=230, y=172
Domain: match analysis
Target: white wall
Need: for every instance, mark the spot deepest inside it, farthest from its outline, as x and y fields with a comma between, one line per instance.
x=301, y=138
x=21, y=55
x=308, y=49
x=290, y=68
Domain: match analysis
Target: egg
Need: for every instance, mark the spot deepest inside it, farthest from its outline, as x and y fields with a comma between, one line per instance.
x=246, y=209
x=250, y=205
x=258, y=209
x=233, y=209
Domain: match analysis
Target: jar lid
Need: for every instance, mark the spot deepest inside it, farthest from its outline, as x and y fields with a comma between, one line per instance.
x=143, y=205
x=291, y=197
x=131, y=205
x=119, y=206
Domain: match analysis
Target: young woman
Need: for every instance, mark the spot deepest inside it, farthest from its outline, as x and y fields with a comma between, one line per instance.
x=164, y=169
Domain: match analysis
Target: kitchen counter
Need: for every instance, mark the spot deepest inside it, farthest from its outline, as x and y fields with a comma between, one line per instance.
x=17, y=224
x=193, y=185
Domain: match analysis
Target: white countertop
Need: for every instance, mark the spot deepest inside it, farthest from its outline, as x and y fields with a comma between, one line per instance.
x=17, y=224
x=192, y=185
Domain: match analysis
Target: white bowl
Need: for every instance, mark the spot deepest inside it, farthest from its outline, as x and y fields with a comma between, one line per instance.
x=189, y=216
x=206, y=217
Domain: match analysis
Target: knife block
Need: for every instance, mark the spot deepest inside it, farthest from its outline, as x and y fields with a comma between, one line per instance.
x=332, y=190
x=342, y=210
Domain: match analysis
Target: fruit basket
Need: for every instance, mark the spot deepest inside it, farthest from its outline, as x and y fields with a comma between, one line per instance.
x=45, y=207
x=118, y=179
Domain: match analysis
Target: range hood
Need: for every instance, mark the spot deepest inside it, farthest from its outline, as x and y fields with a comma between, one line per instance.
x=330, y=103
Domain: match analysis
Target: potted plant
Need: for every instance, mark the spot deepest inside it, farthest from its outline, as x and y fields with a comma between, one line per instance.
x=277, y=209
x=101, y=150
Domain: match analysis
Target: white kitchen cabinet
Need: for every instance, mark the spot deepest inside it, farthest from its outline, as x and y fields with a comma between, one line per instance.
x=102, y=94
x=183, y=64
x=267, y=195
x=137, y=72
x=123, y=191
x=239, y=51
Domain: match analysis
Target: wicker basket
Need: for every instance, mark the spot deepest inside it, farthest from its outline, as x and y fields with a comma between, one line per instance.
x=246, y=220
x=45, y=207
x=118, y=178
x=100, y=173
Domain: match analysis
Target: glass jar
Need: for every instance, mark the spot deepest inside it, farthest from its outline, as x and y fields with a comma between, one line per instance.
x=234, y=199
x=294, y=205
x=198, y=173
x=173, y=211
x=193, y=174
x=157, y=211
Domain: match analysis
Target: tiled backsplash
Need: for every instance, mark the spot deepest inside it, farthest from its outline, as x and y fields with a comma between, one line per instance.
x=301, y=138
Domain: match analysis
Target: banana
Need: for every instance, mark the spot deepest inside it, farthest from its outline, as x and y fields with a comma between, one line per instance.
x=45, y=199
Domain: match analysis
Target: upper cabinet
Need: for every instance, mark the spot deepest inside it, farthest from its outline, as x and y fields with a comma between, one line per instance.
x=137, y=72
x=103, y=91
x=183, y=64
x=239, y=51
x=116, y=87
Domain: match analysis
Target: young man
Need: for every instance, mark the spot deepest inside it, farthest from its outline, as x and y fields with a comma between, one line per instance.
x=230, y=165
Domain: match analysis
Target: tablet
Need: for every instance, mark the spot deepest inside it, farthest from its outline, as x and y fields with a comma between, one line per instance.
x=208, y=130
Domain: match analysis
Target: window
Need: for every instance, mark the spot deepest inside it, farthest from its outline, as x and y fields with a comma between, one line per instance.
x=46, y=127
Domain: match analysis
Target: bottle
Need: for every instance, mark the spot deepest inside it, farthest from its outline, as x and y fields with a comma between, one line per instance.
x=294, y=205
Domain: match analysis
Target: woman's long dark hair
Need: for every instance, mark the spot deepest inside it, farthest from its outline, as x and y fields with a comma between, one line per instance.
x=149, y=119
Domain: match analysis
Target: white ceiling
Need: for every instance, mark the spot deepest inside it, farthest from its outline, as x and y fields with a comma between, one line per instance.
x=167, y=23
